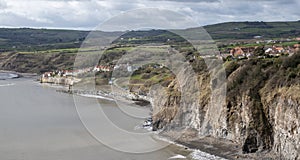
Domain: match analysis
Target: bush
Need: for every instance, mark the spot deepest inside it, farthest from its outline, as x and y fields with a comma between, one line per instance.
x=291, y=62
x=231, y=67
x=259, y=51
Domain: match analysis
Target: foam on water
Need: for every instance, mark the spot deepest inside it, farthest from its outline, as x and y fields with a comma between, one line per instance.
x=8, y=75
x=96, y=96
x=199, y=155
x=178, y=157
x=6, y=85
x=196, y=154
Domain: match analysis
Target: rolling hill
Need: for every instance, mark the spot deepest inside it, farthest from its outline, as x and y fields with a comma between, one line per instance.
x=247, y=30
x=26, y=39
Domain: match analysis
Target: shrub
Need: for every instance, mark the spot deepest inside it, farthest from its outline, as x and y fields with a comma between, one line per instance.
x=291, y=62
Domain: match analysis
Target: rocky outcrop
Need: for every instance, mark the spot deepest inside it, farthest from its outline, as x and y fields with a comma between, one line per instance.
x=260, y=113
x=284, y=117
x=60, y=80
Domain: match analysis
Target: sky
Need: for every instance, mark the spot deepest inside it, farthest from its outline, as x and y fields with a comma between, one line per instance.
x=87, y=14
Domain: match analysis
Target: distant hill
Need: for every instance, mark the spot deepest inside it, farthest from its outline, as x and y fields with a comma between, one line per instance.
x=26, y=39
x=39, y=39
x=247, y=30
x=221, y=32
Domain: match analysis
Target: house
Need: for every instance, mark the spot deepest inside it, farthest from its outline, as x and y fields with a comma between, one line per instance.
x=279, y=49
x=249, y=55
x=96, y=69
x=237, y=52
x=116, y=67
x=68, y=73
x=102, y=68
x=276, y=51
x=272, y=52
x=269, y=50
x=47, y=74
x=106, y=69
x=297, y=47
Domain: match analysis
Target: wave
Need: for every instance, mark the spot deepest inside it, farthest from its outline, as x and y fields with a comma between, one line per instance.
x=178, y=157
x=96, y=96
x=199, y=155
x=195, y=153
x=8, y=75
x=6, y=85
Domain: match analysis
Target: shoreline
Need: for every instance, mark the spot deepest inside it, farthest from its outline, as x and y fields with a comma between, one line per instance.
x=218, y=147
x=193, y=152
x=205, y=146
x=99, y=94
x=196, y=152
x=19, y=74
x=192, y=146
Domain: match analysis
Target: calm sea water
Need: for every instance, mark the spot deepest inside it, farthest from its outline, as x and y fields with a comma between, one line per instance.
x=38, y=123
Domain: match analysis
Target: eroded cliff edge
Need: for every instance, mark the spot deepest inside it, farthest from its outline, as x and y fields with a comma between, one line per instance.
x=260, y=116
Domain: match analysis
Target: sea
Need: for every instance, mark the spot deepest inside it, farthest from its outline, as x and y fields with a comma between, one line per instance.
x=39, y=123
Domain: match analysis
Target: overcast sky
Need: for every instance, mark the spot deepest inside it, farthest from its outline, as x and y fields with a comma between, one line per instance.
x=87, y=14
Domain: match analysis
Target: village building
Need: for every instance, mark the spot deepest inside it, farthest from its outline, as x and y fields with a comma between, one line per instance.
x=239, y=52
x=102, y=68
x=297, y=47
x=279, y=49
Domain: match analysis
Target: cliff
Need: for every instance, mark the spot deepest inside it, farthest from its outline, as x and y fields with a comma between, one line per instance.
x=260, y=115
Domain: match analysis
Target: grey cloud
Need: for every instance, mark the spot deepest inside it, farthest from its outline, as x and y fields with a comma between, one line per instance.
x=13, y=20
x=183, y=1
x=226, y=11
x=89, y=13
x=148, y=19
x=3, y=4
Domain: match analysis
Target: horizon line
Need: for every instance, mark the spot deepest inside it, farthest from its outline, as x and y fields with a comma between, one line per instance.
x=89, y=29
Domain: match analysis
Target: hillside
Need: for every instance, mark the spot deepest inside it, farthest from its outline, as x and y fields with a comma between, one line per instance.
x=35, y=62
x=221, y=32
x=247, y=30
x=26, y=39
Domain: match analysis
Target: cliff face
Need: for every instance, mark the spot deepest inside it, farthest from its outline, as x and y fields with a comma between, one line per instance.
x=260, y=114
x=284, y=117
